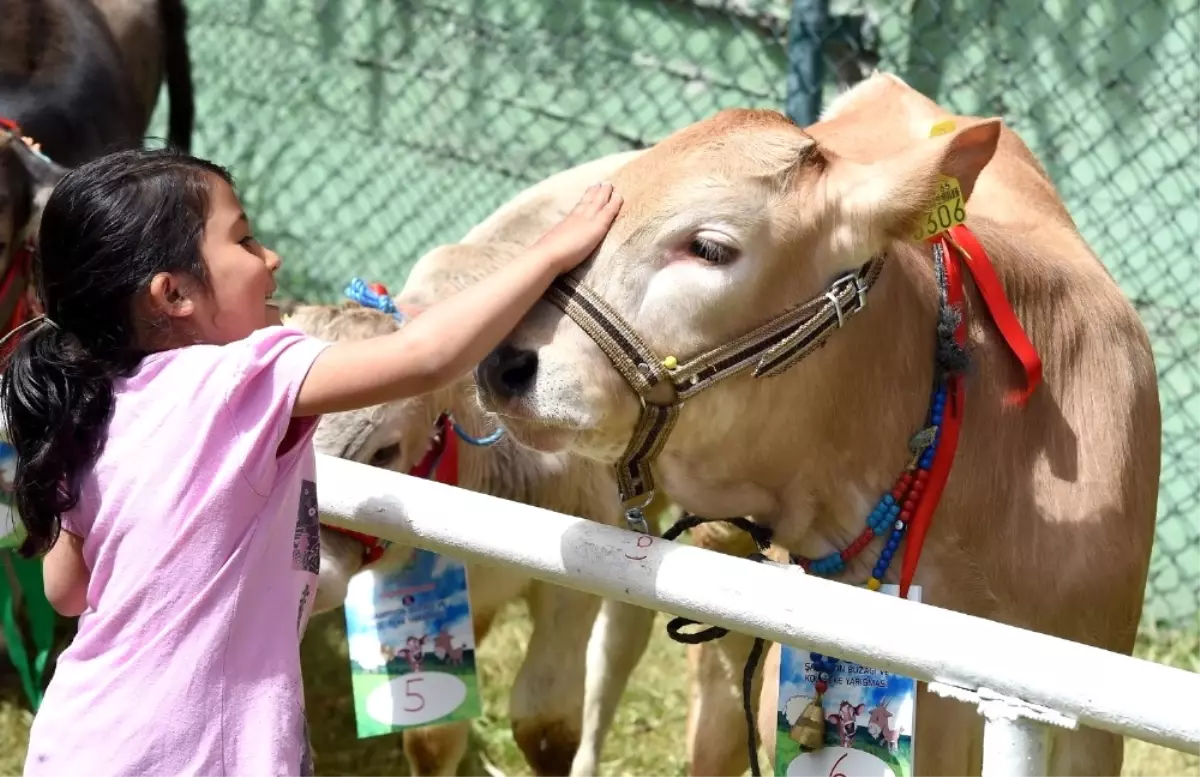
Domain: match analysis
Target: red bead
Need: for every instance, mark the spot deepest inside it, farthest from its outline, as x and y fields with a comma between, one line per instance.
x=906, y=478
x=918, y=488
x=378, y=288
x=909, y=505
x=922, y=475
x=897, y=494
x=905, y=516
x=821, y=686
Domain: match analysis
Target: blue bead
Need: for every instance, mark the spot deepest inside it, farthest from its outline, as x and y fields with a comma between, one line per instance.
x=893, y=543
x=888, y=500
x=894, y=511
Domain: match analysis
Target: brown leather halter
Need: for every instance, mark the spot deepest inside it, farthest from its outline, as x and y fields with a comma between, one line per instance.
x=662, y=385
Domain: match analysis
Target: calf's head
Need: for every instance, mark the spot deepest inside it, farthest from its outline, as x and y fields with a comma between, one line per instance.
x=726, y=225
x=392, y=436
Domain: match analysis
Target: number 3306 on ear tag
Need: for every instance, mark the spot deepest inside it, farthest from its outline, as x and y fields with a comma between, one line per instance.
x=841, y=719
x=412, y=645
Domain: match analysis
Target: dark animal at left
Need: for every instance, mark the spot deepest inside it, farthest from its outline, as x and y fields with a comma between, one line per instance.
x=80, y=78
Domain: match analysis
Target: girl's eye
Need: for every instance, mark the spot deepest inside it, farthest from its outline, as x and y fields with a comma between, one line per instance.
x=711, y=251
x=249, y=241
x=385, y=455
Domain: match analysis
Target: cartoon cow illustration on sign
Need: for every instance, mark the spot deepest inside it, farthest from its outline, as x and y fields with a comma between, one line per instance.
x=879, y=728
x=413, y=652
x=845, y=721
x=444, y=644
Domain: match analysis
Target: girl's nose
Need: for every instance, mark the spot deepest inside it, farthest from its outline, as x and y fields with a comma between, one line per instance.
x=273, y=260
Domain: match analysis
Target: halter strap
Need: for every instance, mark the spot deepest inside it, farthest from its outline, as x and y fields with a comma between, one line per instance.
x=662, y=385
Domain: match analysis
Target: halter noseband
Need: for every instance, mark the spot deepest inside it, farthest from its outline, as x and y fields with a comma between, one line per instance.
x=662, y=385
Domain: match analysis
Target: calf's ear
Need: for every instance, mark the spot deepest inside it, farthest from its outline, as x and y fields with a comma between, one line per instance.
x=885, y=199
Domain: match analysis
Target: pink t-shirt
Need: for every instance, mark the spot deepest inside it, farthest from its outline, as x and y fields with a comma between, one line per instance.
x=200, y=532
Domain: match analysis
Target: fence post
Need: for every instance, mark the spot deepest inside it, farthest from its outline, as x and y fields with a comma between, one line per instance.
x=806, y=60
x=1016, y=734
x=1013, y=745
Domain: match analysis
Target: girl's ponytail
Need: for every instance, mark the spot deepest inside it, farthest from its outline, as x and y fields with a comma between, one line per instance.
x=57, y=399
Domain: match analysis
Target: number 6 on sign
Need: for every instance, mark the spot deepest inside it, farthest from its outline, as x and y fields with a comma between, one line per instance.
x=841, y=762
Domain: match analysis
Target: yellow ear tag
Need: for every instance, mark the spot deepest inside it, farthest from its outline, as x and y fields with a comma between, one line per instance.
x=949, y=207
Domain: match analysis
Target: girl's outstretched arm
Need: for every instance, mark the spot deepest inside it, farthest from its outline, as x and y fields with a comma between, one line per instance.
x=450, y=338
x=65, y=575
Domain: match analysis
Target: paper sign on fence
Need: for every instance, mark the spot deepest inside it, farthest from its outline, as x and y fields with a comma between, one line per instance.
x=866, y=717
x=412, y=645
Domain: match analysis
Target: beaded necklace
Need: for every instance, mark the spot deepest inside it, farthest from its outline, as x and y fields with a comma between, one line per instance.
x=894, y=509
x=915, y=494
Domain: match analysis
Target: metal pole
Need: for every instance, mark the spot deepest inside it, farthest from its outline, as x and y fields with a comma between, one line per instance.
x=1013, y=745
x=772, y=601
x=806, y=60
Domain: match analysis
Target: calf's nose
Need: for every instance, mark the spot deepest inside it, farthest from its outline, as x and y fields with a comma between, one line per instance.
x=508, y=372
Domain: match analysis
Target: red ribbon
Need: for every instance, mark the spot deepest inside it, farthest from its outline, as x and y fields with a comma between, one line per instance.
x=994, y=298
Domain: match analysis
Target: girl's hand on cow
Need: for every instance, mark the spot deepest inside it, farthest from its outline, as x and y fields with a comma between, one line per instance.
x=448, y=339
x=573, y=239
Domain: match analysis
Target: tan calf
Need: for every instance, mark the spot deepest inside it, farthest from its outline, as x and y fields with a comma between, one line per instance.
x=1048, y=517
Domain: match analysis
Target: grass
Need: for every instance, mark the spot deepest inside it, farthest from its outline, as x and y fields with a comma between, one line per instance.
x=647, y=736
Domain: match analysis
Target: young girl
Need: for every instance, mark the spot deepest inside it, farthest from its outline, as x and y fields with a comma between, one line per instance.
x=163, y=420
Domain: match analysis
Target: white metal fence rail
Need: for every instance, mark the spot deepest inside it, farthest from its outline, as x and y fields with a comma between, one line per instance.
x=1020, y=679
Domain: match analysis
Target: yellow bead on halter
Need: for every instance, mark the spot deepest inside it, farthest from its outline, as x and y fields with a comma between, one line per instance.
x=873, y=583
x=670, y=362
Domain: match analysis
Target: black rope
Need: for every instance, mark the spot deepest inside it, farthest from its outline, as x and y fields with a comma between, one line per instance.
x=762, y=538
x=950, y=358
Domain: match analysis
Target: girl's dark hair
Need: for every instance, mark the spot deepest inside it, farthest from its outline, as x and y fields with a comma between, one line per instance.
x=109, y=226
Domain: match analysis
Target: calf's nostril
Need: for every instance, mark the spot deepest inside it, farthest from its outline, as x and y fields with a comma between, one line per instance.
x=509, y=371
x=517, y=376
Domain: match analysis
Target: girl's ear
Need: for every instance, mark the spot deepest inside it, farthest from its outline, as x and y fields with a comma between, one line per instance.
x=169, y=296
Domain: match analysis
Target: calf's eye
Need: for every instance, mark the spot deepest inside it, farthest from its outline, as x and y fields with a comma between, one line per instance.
x=711, y=251
x=385, y=455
